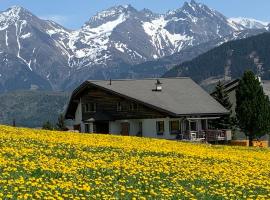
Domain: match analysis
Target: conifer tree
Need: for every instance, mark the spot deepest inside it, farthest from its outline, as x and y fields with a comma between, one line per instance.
x=225, y=122
x=252, y=107
x=47, y=126
x=60, y=125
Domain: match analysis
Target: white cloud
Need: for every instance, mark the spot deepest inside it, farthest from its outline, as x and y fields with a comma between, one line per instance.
x=60, y=19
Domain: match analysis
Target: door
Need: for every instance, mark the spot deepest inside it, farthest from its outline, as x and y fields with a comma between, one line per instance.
x=125, y=129
x=101, y=127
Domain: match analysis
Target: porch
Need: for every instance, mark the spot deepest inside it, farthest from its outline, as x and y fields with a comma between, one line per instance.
x=198, y=129
x=205, y=136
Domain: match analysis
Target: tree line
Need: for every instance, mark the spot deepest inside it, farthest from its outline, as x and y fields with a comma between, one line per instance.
x=60, y=124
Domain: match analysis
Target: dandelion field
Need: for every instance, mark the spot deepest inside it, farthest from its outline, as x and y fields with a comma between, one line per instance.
x=36, y=164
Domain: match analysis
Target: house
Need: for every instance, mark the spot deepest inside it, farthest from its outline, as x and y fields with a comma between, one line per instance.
x=239, y=137
x=164, y=108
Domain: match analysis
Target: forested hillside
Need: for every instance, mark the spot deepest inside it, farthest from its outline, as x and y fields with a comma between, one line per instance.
x=31, y=108
x=230, y=59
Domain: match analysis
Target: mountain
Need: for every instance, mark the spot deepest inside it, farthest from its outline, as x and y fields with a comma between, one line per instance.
x=228, y=61
x=248, y=23
x=159, y=66
x=31, y=108
x=115, y=43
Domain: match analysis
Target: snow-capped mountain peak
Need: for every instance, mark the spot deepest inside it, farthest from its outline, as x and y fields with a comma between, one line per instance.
x=248, y=23
x=16, y=12
x=110, y=14
x=107, y=43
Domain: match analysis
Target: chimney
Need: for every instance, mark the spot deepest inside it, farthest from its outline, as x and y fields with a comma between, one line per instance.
x=158, y=86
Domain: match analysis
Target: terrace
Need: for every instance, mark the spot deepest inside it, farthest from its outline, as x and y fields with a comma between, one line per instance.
x=197, y=129
x=205, y=135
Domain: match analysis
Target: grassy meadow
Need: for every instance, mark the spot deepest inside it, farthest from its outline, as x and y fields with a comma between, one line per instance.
x=37, y=164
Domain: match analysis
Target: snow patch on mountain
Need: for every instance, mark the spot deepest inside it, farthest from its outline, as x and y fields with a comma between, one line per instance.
x=27, y=35
x=96, y=38
x=160, y=36
x=6, y=38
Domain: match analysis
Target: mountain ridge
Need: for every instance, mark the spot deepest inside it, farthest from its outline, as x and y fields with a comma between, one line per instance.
x=228, y=61
x=109, y=45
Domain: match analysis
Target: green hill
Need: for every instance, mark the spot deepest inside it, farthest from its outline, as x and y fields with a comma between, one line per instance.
x=250, y=53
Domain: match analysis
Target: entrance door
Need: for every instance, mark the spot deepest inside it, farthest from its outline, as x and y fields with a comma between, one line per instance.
x=125, y=129
x=101, y=127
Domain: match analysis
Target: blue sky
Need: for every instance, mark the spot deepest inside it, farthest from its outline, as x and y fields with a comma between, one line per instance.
x=73, y=13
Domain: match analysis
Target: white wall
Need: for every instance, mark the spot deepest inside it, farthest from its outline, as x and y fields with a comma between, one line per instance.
x=148, y=127
x=115, y=127
x=78, y=117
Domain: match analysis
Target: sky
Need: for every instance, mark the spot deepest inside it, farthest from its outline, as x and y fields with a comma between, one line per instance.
x=74, y=13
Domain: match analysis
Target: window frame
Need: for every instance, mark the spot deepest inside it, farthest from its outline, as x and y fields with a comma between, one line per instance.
x=160, y=129
x=87, y=107
x=119, y=107
x=175, y=132
x=133, y=107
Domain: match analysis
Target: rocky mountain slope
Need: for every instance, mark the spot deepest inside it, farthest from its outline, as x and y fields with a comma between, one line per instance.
x=40, y=54
x=158, y=67
x=228, y=61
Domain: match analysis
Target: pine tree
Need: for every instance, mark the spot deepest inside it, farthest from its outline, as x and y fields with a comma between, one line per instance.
x=47, y=126
x=225, y=122
x=252, y=107
x=60, y=125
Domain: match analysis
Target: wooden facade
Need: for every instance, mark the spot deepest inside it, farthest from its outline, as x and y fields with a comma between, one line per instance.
x=107, y=107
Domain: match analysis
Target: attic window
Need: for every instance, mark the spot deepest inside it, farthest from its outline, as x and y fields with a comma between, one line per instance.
x=158, y=87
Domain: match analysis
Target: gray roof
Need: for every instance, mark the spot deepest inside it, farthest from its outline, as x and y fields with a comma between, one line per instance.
x=179, y=96
x=266, y=87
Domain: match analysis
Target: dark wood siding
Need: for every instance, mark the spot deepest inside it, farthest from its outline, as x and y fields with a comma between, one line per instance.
x=106, y=104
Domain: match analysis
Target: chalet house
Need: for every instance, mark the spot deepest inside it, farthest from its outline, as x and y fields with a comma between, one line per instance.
x=164, y=108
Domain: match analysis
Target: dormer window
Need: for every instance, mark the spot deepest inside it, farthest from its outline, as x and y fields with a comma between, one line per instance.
x=158, y=87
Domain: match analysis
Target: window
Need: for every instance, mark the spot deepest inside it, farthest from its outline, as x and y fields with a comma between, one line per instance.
x=174, y=127
x=133, y=107
x=90, y=107
x=119, y=106
x=160, y=127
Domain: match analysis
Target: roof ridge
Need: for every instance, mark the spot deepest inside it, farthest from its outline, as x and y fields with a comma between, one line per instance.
x=139, y=79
